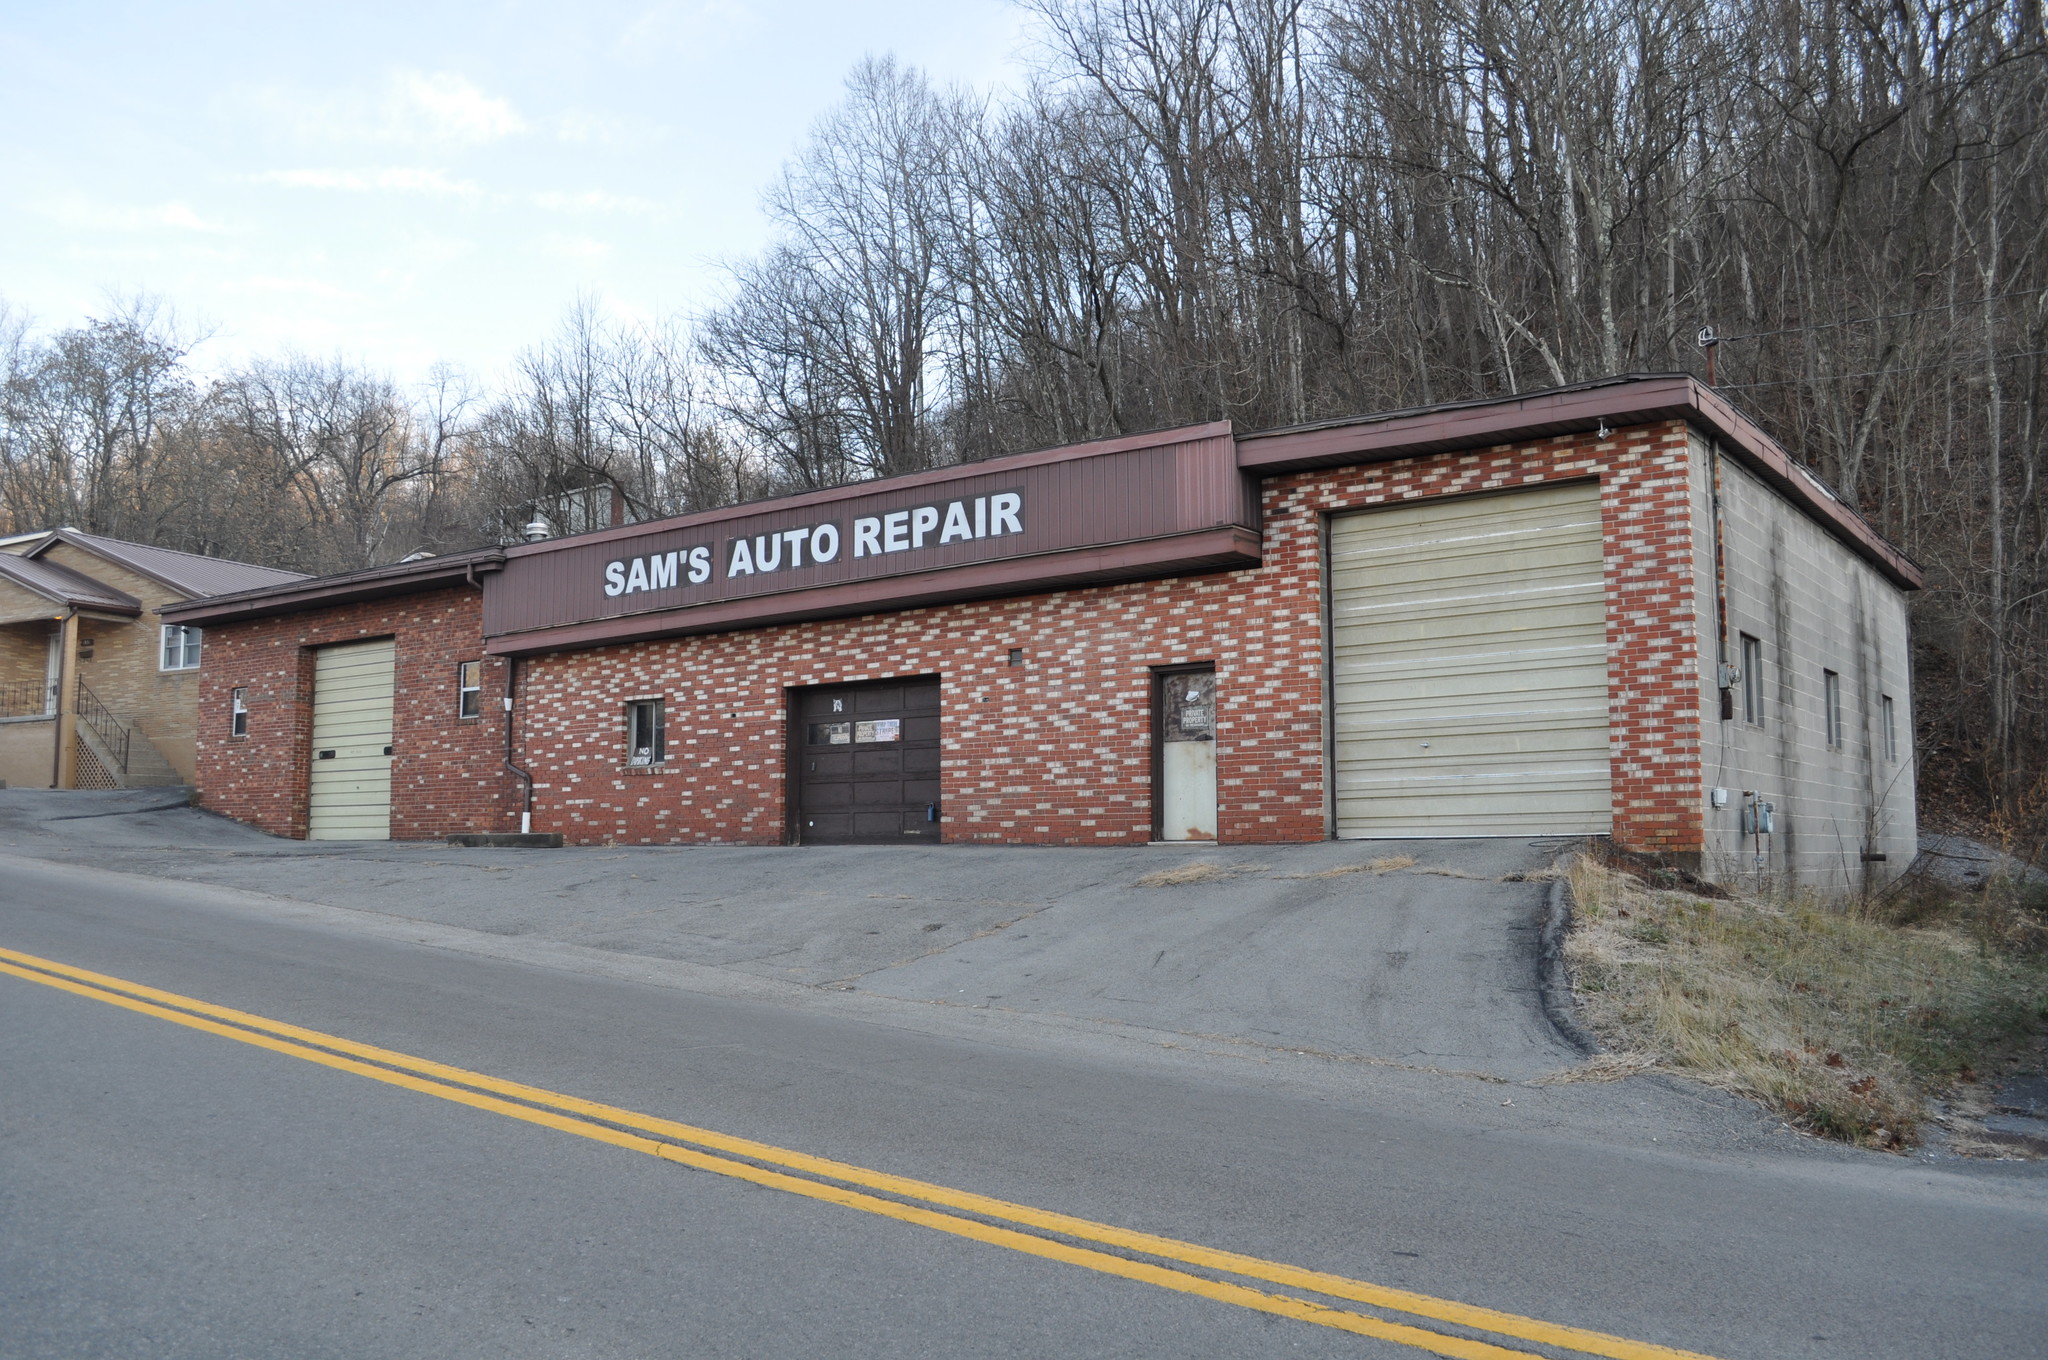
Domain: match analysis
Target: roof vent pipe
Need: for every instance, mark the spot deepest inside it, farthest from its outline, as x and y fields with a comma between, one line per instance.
x=537, y=529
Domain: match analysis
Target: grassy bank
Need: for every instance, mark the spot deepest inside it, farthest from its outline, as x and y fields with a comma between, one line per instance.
x=1845, y=1016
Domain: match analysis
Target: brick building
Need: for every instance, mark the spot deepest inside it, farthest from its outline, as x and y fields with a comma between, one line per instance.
x=1613, y=609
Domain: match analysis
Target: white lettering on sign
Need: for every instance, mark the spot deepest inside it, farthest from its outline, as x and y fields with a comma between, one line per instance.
x=951, y=522
x=921, y=526
x=810, y=546
x=657, y=571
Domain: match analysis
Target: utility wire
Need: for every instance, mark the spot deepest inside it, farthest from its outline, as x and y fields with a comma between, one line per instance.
x=1880, y=372
x=1887, y=316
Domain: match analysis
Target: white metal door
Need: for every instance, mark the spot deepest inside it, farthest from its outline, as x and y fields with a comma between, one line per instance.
x=352, y=694
x=1469, y=666
x=1187, y=756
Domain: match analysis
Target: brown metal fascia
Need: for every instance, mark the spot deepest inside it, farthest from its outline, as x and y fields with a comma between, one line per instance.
x=1544, y=415
x=1218, y=549
x=953, y=472
x=1762, y=455
x=1465, y=425
x=322, y=592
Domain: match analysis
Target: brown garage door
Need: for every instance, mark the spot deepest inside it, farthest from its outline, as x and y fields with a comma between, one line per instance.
x=867, y=767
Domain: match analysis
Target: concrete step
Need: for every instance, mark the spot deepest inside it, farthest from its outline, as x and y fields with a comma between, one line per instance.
x=147, y=768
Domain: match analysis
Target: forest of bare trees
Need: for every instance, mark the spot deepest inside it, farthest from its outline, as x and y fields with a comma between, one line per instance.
x=1266, y=210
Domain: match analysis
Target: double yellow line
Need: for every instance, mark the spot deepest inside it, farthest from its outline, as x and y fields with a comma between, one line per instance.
x=1161, y=1261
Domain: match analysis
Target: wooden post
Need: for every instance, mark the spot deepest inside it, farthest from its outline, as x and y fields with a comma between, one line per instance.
x=66, y=774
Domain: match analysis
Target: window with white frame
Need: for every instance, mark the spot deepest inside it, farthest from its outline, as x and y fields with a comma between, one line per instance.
x=646, y=743
x=181, y=648
x=469, y=689
x=1831, y=703
x=238, y=712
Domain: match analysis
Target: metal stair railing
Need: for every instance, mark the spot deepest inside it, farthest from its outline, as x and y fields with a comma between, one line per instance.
x=111, y=731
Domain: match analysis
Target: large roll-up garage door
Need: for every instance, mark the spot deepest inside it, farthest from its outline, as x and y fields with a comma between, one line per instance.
x=1469, y=666
x=352, y=687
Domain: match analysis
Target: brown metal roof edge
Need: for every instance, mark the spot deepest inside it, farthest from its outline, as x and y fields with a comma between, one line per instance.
x=952, y=472
x=93, y=594
x=99, y=545
x=317, y=592
x=1225, y=548
x=1620, y=401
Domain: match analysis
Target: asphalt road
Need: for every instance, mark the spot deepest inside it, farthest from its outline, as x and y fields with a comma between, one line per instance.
x=168, y=1192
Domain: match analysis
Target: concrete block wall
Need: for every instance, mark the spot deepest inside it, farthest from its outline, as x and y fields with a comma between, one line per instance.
x=1815, y=606
x=447, y=772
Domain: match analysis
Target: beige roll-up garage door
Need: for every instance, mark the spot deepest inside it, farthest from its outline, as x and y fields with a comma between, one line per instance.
x=352, y=687
x=1469, y=666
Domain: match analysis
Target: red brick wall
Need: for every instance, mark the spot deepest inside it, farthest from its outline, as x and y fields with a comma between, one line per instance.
x=1653, y=667
x=1057, y=750
x=446, y=773
x=1053, y=751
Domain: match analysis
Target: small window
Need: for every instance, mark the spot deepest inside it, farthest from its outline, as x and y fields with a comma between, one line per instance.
x=1831, y=702
x=1752, y=681
x=181, y=648
x=1891, y=729
x=469, y=689
x=238, y=712
x=645, y=742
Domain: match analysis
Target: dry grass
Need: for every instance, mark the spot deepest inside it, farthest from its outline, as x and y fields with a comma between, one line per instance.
x=1844, y=1017
x=1182, y=874
x=1386, y=864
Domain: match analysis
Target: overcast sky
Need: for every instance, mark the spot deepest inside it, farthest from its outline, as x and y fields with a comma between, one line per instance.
x=407, y=183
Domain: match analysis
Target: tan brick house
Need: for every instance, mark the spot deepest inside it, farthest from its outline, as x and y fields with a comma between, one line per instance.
x=96, y=691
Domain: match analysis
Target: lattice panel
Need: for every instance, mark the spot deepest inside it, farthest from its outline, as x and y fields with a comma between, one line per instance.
x=91, y=773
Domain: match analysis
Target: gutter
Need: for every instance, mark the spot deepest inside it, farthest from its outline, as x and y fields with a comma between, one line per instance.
x=318, y=592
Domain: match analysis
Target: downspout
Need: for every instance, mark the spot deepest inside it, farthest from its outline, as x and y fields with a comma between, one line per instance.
x=1724, y=672
x=511, y=687
x=526, y=803
x=64, y=758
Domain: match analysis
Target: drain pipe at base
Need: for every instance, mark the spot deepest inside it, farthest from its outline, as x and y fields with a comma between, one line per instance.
x=526, y=803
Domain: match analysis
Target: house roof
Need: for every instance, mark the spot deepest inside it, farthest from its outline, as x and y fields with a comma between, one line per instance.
x=189, y=574
x=317, y=592
x=63, y=586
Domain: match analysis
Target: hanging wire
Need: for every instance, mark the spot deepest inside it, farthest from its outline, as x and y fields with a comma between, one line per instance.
x=1884, y=316
x=1880, y=372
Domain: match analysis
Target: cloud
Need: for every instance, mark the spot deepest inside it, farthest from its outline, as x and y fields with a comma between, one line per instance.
x=443, y=107
x=413, y=108
x=593, y=201
x=300, y=287
x=392, y=179
x=173, y=216
x=699, y=30
x=574, y=247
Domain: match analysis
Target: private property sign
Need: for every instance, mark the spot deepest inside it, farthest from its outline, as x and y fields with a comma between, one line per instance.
x=1126, y=509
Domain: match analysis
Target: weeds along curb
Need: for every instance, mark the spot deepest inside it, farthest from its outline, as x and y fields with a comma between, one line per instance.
x=1553, y=983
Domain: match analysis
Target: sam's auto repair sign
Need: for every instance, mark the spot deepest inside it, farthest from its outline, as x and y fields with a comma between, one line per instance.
x=820, y=544
x=1117, y=510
